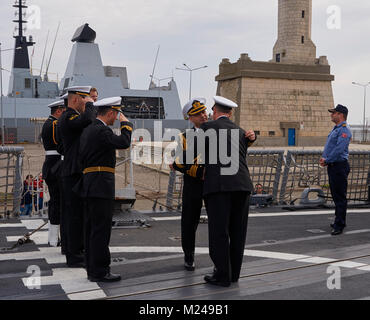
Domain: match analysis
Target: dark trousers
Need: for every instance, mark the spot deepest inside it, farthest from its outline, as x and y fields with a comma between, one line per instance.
x=192, y=203
x=54, y=202
x=338, y=179
x=227, y=227
x=98, y=227
x=72, y=216
x=63, y=227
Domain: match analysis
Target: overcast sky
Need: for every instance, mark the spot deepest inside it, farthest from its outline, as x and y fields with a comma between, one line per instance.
x=195, y=32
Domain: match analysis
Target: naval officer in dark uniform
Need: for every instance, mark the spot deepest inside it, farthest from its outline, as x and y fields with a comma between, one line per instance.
x=98, y=146
x=227, y=188
x=192, y=194
x=335, y=157
x=52, y=158
x=57, y=171
x=79, y=114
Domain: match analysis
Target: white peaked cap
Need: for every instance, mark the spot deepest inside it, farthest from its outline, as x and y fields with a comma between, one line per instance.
x=113, y=102
x=84, y=90
x=59, y=103
x=224, y=102
x=109, y=102
x=189, y=105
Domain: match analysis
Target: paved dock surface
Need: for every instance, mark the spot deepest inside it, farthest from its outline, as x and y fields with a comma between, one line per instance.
x=289, y=255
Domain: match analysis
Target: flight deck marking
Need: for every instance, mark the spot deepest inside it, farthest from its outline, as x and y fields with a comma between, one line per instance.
x=73, y=281
x=276, y=214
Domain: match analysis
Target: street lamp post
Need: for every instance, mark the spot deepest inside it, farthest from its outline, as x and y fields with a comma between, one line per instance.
x=363, y=128
x=191, y=71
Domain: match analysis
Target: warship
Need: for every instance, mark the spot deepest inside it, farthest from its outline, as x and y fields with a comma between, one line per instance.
x=25, y=106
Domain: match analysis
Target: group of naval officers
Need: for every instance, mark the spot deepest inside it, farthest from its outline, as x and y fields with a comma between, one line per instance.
x=80, y=165
x=79, y=170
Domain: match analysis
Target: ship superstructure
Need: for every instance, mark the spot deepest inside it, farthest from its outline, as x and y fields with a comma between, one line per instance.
x=28, y=96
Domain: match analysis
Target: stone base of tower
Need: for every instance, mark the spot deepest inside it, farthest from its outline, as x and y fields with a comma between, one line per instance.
x=285, y=104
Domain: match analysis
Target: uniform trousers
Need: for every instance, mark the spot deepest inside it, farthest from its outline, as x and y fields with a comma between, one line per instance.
x=72, y=219
x=63, y=227
x=192, y=203
x=227, y=228
x=54, y=202
x=338, y=179
x=98, y=226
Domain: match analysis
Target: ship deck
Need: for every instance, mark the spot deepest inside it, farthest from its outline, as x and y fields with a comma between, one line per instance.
x=289, y=255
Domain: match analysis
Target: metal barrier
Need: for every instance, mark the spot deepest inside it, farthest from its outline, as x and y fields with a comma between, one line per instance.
x=174, y=192
x=11, y=165
x=302, y=170
x=286, y=177
x=265, y=169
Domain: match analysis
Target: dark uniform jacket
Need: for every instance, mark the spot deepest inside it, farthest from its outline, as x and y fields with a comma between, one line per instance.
x=50, y=143
x=216, y=182
x=71, y=125
x=193, y=172
x=98, y=146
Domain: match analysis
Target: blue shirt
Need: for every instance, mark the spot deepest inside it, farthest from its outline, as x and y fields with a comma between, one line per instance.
x=336, y=147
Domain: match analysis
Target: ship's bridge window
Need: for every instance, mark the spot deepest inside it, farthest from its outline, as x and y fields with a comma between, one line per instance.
x=27, y=83
x=143, y=107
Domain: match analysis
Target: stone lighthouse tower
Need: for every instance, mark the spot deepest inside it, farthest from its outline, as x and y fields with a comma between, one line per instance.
x=285, y=100
x=294, y=44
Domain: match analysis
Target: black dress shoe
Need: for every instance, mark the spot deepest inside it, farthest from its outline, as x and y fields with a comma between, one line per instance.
x=333, y=225
x=336, y=232
x=189, y=266
x=211, y=279
x=109, y=277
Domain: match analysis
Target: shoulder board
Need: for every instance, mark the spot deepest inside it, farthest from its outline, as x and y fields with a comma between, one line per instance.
x=344, y=125
x=73, y=117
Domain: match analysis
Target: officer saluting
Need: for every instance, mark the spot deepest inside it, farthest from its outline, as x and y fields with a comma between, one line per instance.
x=57, y=170
x=79, y=114
x=335, y=157
x=98, y=157
x=226, y=193
x=192, y=193
x=52, y=157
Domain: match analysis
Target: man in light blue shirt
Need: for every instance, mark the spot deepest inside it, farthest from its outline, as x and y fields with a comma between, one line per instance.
x=335, y=157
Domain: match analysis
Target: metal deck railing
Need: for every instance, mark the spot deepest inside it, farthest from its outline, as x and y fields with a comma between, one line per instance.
x=11, y=166
x=286, y=174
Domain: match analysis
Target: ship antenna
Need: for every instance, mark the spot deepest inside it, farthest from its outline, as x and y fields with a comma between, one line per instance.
x=155, y=63
x=51, y=54
x=43, y=56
